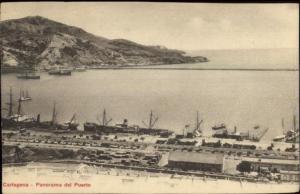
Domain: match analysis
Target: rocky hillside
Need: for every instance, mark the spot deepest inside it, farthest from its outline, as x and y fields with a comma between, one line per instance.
x=40, y=42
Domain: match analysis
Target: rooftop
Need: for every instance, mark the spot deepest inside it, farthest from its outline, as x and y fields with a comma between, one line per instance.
x=271, y=161
x=289, y=172
x=196, y=157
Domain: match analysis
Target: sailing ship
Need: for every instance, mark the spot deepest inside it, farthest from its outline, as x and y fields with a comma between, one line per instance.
x=280, y=138
x=19, y=117
x=49, y=124
x=290, y=136
x=55, y=126
x=24, y=96
x=150, y=130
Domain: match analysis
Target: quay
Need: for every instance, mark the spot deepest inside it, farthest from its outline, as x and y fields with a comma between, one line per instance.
x=156, y=158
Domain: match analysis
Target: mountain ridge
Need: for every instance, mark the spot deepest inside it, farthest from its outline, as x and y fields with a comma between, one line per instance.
x=38, y=42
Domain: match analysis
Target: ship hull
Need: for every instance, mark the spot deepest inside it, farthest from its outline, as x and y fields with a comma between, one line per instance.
x=93, y=127
x=60, y=72
x=28, y=77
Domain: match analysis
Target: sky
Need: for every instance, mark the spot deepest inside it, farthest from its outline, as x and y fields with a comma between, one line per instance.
x=185, y=26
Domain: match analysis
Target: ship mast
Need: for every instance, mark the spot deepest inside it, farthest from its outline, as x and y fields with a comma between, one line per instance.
x=197, y=121
x=294, y=122
x=104, y=121
x=20, y=104
x=152, y=121
x=104, y=117
x=10, y=104
x=54, y=114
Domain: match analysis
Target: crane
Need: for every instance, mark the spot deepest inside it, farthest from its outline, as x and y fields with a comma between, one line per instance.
x=259, y=135
x=197, y=131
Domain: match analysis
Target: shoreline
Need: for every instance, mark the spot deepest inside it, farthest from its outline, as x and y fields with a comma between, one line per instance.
x=158, y=67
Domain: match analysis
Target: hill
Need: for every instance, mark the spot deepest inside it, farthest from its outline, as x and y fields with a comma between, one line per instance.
x=41, y=43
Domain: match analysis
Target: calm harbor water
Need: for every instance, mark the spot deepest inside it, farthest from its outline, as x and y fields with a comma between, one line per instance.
x=237, y=98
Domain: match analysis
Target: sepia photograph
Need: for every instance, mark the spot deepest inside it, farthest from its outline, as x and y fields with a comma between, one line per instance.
x=149, y=97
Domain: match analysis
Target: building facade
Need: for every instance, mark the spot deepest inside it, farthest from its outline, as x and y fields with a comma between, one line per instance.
x=290, y=175
x=273, y=165
x=196, y=161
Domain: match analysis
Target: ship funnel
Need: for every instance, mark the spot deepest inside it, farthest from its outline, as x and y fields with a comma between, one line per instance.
x=38, y=118
x=125, y=122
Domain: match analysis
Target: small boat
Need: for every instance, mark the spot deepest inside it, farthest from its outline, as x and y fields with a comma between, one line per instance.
x=217, y=127
x=53, y=72
x=65, y=72
x=60, y=71
x=279, y=138
x=80, y=69
x=28, y=76
x=24, y=97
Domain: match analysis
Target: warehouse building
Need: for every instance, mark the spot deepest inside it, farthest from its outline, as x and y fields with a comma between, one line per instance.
x=273, y=165
x=196, y=161
x=290, y=175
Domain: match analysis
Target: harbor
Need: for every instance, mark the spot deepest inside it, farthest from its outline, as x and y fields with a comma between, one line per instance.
x=233, y=157
x=143, y=141
x=123, y=105
x=142, y=97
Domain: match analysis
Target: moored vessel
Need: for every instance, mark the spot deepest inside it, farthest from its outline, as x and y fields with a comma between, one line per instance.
x=124, y=127
x=24, y=96
x=18, y=118
x=60, y=71
x=80, y=69
x=28, y=75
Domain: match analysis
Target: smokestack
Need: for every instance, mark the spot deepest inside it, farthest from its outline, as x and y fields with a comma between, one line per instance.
x=125, y=122
x=38, y=118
